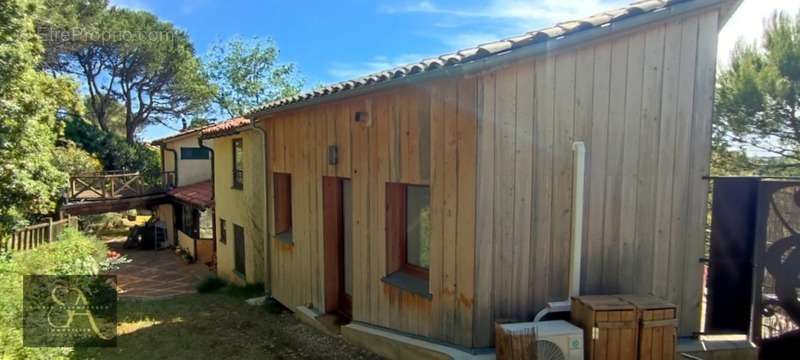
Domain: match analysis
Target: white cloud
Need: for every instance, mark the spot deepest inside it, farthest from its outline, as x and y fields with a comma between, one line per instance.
x=465, y=27
x=519, y=10
x=748, y=24
x=345, y=71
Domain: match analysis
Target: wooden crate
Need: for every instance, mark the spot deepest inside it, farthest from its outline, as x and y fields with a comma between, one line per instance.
x=514, y=342
x=657, y=326
x=609, y=326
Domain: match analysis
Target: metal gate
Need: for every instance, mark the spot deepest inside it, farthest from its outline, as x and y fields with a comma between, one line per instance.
x=754, y=263
x=776, y=309
x=732, y=248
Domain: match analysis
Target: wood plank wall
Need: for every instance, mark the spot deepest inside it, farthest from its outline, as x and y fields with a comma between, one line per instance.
x=404, y=145
x=496, y=150
x=642, y=104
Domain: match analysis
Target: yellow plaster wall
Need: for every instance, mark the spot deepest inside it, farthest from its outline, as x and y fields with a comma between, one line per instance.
x=189, y=171
x=243, y=207
x=186, y=242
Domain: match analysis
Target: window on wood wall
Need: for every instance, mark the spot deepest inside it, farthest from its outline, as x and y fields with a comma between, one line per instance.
x=238, y=173
x=408, y=220
x=283, y=203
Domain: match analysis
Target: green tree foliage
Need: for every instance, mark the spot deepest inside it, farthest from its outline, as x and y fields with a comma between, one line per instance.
x=247, y=74
x=198, y=122
x=76, y=161
x=58, y=19
x=758, y=103
x=134, y=59
x=113, y=150
x=30, y=102
x=114, y=116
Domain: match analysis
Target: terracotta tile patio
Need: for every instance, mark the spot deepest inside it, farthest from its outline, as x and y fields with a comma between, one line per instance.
x=155, y=274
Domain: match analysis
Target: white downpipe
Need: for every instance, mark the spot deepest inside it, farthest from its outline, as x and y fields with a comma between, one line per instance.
x=579, y=152
x=579, y=177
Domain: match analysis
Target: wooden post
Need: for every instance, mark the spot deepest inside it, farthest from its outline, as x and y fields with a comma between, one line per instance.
x=49, y=230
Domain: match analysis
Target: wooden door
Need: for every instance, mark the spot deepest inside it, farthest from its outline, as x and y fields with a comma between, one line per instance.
x=238, y=249
x=337, y=233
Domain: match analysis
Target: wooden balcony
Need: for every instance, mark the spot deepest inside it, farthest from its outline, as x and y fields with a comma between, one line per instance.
x=113, y=185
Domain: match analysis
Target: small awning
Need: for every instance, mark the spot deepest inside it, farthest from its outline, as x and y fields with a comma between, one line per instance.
x=199, y=194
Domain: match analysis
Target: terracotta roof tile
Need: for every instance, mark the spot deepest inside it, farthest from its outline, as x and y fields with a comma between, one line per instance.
x=224, y=128
x=182, y=133
x=464, y=56
x=199, y=194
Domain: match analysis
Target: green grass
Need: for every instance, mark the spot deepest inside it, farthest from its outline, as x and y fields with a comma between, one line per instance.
x=215, y=326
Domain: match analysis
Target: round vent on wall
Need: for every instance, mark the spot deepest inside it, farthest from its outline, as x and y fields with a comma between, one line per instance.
x=546, y=350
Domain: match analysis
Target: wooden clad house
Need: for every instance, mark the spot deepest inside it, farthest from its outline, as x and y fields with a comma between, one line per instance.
x=435, y=198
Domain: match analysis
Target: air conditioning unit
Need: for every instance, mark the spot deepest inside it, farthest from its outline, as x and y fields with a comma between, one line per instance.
x=555, y=340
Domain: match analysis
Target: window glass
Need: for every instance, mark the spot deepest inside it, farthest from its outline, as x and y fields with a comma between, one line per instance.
x=223, y=231
x=418, y=226
x=194, y=153
x=237, y=163
x=188, y=221
x=283, y=203
x=206, y=225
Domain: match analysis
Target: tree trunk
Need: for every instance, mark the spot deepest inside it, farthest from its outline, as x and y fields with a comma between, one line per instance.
x=130, y=134
x=100, y=115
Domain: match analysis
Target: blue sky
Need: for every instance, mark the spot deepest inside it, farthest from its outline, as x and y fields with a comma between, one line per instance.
x=331, y=41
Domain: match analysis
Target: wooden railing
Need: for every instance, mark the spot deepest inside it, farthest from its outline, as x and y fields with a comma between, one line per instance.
x=37, y=235
x=115, y=185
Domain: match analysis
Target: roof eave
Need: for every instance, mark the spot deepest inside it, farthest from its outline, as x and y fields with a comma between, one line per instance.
x=629, y=23
x=727, y=11
x=168, y=139
x=227, y=133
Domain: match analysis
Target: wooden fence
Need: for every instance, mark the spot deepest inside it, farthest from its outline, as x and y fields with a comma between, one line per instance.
x=36, y=235
x=115, y=185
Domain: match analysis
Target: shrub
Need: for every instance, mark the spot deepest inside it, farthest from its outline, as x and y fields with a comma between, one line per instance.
x=74, y=254
x=102, y=224
x=210, y=284
x=76, y=161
